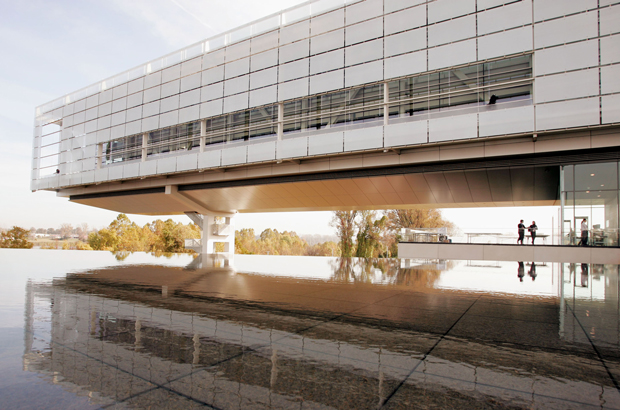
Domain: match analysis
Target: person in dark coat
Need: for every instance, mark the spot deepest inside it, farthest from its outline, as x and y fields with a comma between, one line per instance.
x=521, y=228
x=532, y=230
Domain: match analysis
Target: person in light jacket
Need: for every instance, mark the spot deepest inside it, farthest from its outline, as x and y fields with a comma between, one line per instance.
x=532, y=230
x=584, y=233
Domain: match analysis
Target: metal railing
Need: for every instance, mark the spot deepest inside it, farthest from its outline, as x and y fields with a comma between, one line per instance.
x=424, y=235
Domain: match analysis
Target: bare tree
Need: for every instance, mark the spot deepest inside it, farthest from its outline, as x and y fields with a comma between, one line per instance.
x=82, y=232
x=66, y=230
x=418, y=218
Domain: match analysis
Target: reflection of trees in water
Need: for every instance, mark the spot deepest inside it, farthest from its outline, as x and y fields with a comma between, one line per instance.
x=383, y=270
x=166, y=255
x=121, y=255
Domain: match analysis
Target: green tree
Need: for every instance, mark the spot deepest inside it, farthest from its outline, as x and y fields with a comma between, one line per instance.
x=344, y=222
x=104, y=240
x=323, y=249
x=370, y=243
x=245, y=242
x=169, y=236
x=15, y=237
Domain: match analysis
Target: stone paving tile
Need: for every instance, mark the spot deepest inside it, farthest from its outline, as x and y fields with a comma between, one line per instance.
x=314, y=377
x=97, y=376
x=158, y=399
x=517, y=332
x=420, y=320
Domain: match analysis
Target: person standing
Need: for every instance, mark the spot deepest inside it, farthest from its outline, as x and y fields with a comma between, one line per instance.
x=521, y=228
x=532, y=230
x=584, y=233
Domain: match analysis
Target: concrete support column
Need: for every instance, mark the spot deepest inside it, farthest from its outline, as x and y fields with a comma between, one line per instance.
x=218, y=229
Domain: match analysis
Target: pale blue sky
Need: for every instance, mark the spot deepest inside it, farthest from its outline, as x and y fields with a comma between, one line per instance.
x=51, y=48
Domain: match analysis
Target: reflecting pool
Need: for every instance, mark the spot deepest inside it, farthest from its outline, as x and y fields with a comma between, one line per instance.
x=86, y=329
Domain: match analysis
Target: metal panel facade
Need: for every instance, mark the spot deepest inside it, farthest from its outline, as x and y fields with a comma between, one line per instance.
x=297, y=55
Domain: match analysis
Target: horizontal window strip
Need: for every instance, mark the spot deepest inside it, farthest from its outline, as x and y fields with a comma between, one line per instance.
x=475, y=84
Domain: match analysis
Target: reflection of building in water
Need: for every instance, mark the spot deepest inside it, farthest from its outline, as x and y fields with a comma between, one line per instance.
x=590, y=300
x=122, y=341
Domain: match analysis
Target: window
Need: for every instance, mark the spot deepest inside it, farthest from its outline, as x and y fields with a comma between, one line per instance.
x=507, y=79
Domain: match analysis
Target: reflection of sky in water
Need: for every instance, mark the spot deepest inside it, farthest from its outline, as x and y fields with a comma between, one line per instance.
x=501, y=277
x=309, y=267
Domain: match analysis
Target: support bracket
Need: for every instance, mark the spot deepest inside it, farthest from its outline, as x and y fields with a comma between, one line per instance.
x=173, y=191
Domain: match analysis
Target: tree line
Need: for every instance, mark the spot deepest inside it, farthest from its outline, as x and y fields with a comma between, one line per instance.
x=272, y=242
x=363, y=234
x=158, y=236
x=65, y=231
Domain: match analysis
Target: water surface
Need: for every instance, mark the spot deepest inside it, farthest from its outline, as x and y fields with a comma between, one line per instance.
x=84, y=329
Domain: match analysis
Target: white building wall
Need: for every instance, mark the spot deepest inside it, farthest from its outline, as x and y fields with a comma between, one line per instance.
x=329, y=45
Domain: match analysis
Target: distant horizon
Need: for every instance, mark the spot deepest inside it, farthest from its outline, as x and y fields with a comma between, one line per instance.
x=306, y=223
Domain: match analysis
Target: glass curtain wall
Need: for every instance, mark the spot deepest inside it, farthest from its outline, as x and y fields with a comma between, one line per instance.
x=590, y=192
x=505, y=80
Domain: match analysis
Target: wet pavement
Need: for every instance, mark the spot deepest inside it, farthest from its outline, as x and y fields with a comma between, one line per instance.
x=94, y=330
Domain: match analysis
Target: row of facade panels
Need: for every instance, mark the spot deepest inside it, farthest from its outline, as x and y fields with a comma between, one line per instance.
x=575, y=61
x=573, y=112
x=248, y=81
x=295, y=24
x=581, y=82
x=448, y=21
x=372, y=137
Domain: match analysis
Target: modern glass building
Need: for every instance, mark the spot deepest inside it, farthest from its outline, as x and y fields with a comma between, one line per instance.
x=489, y=102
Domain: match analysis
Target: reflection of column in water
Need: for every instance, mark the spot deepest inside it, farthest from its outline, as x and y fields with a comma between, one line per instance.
x=29, y=326
x=93, y=321
x=196, y=356
x=164, y=291
x=138, y=342
x=274, y=368
x=381, y=393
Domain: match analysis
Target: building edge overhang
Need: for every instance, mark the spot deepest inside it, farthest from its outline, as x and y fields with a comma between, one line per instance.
x=522, y=160
x=575, y=154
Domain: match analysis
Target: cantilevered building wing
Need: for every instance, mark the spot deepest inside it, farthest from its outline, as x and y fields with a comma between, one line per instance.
x=348, y=105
